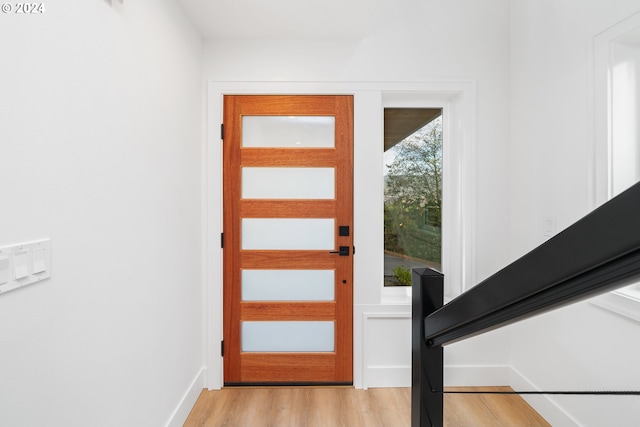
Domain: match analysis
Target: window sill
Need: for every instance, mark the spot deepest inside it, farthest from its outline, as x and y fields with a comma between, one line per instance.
x=396, y=295
x=402, y=295
x=624, y=302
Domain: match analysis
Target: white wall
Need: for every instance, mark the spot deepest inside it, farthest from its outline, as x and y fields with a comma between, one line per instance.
x=409, y=40
x=582, y=347
x=100, y=147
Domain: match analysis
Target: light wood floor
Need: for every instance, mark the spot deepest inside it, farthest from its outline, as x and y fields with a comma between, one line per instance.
x=347, y=407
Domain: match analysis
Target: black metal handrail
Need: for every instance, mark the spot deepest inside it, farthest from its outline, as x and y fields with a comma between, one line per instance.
x=598, y=253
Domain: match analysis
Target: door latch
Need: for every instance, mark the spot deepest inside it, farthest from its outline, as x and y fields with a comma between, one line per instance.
x=343, y=251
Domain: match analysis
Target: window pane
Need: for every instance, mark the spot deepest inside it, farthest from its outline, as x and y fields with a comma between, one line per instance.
x=288, y=285
x=288, y=233
x=288, y=183
x=288, y=131
x=625, y=127
x=288, y=336
x=412, y=197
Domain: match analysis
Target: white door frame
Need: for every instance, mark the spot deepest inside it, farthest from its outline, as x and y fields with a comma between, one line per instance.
x=458, y=101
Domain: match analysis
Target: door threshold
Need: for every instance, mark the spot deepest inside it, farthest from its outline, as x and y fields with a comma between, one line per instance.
x=290, y=384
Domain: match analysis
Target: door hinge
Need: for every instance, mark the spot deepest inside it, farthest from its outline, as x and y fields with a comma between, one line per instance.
x=222, y=131
x=222, y=348
x=222, y=240
x=354, y=250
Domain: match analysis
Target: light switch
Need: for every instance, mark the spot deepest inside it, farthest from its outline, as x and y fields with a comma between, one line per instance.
x=20, y=267
x=24, y=264
x=4, y=269
x=39, y=263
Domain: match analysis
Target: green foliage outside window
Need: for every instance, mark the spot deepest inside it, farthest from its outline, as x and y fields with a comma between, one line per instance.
x=413, y=198
x=403, y=275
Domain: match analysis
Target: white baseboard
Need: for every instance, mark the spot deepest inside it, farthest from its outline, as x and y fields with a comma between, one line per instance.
x=459, y=375
x=543, y=404
x=387, y=376
x=180, y=414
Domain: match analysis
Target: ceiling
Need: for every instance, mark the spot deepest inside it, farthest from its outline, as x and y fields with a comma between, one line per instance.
x=280, y=18
x=311, y=19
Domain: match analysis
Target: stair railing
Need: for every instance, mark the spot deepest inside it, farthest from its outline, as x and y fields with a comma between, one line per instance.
x=597, y=254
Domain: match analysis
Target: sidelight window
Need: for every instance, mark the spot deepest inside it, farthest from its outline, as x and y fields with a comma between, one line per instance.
x=412, y=192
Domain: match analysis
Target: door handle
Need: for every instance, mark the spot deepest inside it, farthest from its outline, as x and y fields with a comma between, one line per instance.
x=343, y=251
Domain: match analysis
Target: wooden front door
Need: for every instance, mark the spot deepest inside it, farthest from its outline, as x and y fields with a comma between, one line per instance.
x=288, y=239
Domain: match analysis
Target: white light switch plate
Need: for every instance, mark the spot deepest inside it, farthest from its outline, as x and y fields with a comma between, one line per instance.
x=4, y=269
x=24, y=264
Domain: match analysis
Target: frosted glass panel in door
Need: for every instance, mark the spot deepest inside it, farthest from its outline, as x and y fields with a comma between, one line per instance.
x=288, y=131
x=288, y=183
x=288, y=285
x=288, y=233
x=288, y=336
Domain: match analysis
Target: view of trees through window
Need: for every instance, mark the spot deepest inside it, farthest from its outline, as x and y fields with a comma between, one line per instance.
x=413, y=204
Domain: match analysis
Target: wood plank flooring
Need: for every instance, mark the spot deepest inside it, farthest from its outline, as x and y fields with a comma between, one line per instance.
x=348, y=407
x=480, y=410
